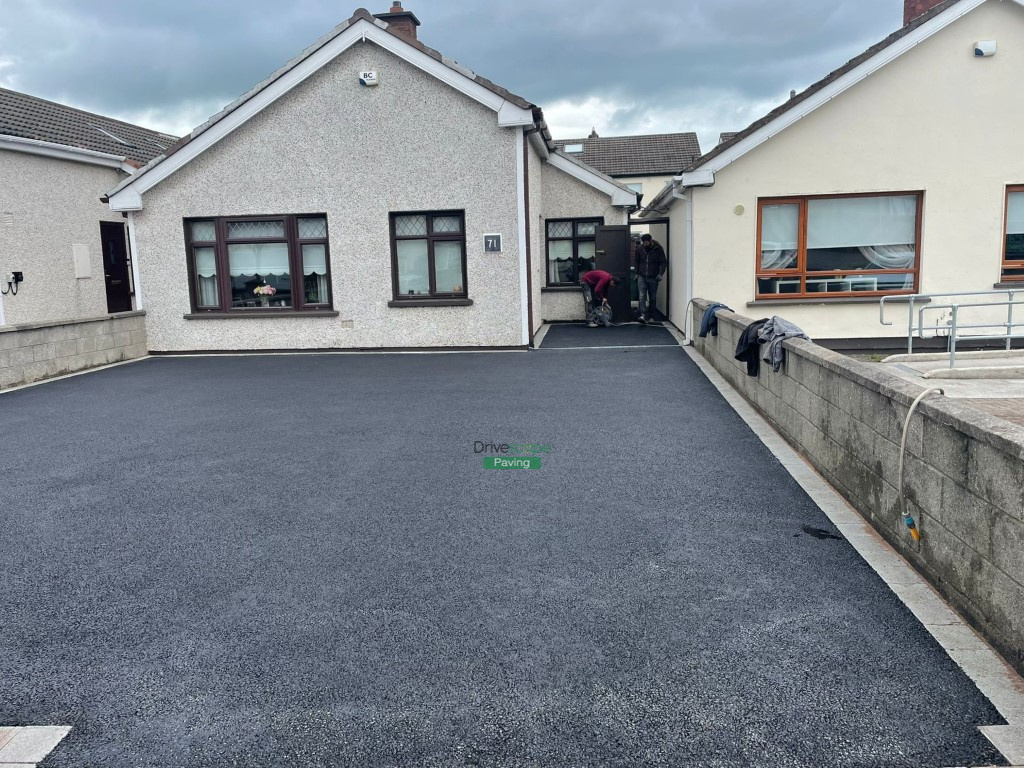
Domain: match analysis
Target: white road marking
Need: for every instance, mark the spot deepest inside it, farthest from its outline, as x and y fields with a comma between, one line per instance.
x=27, y=745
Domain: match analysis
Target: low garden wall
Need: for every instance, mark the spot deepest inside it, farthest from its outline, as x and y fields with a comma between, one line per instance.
x=964, y=475
x=40, y=350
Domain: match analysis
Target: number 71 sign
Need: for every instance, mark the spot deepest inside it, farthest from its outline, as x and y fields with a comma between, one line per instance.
x=492, y=243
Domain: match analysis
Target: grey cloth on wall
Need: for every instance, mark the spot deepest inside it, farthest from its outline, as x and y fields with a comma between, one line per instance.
x=772, y=334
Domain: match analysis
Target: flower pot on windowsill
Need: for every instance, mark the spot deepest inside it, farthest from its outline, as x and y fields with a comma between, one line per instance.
x=264, y=301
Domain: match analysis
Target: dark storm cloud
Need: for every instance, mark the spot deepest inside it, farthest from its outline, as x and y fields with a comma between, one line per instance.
x=175, y=62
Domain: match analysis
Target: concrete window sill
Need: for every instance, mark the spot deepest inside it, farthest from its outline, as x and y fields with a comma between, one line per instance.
x=561, y=289
x=263, y=315
x=404, y=303
x=837, y=300
x=1015, y=285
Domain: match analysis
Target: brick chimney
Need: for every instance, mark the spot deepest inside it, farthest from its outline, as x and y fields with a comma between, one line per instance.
x=403, y=22
x=914, y=8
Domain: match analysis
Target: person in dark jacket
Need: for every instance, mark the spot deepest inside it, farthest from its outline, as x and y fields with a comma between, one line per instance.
x=651, y=264
x=595, y=289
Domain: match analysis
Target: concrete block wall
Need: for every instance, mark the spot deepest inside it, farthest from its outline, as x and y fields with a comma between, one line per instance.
x=40, y=350
x=964, y=474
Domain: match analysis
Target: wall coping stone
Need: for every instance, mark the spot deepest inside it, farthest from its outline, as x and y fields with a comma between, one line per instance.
x=1003, y=435
x=80, y=321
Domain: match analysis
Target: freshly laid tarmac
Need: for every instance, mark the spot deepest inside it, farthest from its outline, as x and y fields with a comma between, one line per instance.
x=301, y=560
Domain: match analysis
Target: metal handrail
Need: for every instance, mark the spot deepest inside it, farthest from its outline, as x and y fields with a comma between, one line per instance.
x=955, y=327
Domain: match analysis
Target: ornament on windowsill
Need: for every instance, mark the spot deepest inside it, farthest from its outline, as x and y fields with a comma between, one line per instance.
x=264, y=292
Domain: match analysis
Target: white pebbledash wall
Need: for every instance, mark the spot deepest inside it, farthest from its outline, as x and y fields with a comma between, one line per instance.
x=356, y=154
x=568, y=198
x=937, y=119
x=47, y=206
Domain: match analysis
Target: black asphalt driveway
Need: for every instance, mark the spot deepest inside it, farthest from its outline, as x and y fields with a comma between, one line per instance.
x=300, y=560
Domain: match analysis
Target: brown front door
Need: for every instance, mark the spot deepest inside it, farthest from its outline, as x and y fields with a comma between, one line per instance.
x=116, y=267
x=613, y=244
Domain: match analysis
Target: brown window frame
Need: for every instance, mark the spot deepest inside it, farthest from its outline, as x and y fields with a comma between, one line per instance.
x=800, y=271
x=220, y=246
x=576, y=240
x=431, y=237
x=1015, y=264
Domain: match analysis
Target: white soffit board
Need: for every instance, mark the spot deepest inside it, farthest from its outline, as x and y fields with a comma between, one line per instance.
x=844, y=83
x=128, y=196
x=620, y=197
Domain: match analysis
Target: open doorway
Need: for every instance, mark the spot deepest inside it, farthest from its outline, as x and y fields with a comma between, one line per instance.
x=658, y=229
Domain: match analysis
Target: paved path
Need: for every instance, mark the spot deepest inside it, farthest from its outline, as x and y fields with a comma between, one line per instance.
x=301, y=560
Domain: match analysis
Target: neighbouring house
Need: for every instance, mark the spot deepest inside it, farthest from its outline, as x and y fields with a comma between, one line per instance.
x=901, y=172
x=371, y=193
x=68, y=248
x=645, y=164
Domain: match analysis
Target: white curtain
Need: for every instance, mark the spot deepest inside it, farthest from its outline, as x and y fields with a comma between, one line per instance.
x=314, y=263
x=1015, y=214
x=413, y=267
x=559, y=261
x=206, y=277
x=852, y=222
x=448, y=267
x=889, y=256
x=779, y=233
x=261, y=259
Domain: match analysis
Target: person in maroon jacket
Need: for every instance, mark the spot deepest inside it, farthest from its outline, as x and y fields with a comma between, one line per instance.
x=595, y=288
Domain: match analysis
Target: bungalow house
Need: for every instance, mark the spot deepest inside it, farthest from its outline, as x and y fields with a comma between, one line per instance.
x=67, y=249
x=371, y=193
x=901, y=172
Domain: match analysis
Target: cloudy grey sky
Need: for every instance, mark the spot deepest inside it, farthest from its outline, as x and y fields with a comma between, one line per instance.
x=624, y=67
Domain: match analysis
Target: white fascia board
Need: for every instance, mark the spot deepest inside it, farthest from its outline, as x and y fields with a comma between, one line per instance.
x=540, y=146
x=513, y=116
x=128, y=196
x=620, y=197
x=844, y=83
x=64, y=152
x=699, y=178
x=128, y=199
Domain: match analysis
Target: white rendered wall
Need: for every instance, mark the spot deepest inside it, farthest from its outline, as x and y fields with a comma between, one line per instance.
x=568, y=198
x=937, y=119
x=46, y=207
x=331, y=145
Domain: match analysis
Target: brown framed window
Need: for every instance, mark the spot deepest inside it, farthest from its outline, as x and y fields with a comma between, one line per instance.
x=1013, y=242
x=428, y=255
x=571, y=249
x=853, y=245
x=252, y=264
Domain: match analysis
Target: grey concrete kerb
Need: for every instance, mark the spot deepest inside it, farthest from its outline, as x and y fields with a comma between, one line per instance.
x=26, y=746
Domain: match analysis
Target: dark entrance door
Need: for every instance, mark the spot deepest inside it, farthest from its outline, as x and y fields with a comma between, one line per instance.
x=612, y=245
x=115, y=267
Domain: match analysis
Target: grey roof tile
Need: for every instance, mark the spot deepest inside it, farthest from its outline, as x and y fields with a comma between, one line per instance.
x=29, y=117
x=652, y=155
